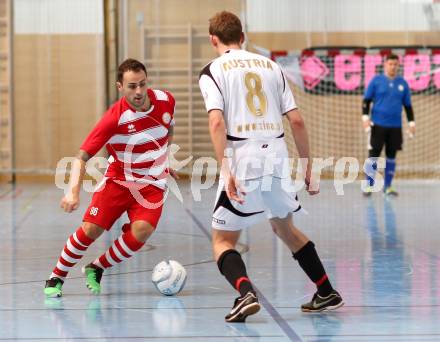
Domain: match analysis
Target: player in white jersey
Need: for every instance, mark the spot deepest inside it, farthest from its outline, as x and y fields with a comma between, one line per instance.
x=246, y=96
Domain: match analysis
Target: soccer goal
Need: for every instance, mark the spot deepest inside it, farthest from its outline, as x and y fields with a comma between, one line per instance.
x=328, y=85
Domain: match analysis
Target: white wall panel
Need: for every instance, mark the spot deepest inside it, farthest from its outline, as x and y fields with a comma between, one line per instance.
x=336, y=15
x=58, y=16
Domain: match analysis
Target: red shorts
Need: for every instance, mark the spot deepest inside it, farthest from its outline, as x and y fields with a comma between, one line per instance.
x=114, y=199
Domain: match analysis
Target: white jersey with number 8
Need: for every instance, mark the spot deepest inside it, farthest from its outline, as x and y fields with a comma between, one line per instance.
x=253, y=94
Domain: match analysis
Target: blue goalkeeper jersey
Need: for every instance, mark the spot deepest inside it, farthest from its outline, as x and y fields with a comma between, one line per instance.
x=388, y=96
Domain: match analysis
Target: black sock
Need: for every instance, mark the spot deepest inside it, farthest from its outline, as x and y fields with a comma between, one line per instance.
x=231, y=265
x=309, y=261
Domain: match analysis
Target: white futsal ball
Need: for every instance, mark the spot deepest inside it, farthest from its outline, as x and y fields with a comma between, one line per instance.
x=169, y=277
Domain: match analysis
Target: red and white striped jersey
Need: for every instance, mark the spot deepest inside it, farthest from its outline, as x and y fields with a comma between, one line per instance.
x=136, y=141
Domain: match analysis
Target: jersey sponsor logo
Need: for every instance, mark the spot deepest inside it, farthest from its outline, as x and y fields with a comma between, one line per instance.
x=166, y=118
x=131, y=128
x=216, y=220
x=261, y=126
x=94, y=211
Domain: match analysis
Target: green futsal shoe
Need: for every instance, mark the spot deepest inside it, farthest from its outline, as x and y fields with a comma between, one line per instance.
x=53, y=286
x=93, y=278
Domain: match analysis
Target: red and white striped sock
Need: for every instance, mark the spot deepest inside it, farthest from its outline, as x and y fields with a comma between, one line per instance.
x=122, y=249
x=76, y=246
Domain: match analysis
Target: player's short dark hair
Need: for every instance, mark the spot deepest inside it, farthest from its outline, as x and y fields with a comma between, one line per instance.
x=392, y=57
x=227, y=27
x=130, y=64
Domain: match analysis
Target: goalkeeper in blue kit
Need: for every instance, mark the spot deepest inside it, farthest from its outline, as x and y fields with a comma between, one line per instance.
x=388, y=92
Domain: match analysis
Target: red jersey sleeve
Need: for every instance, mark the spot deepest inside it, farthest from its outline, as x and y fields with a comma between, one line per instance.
x=101, y=133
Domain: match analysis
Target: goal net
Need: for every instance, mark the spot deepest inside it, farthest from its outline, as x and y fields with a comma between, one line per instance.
x=328, y=85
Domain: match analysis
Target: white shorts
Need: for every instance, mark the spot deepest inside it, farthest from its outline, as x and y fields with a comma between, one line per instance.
x=266, y=197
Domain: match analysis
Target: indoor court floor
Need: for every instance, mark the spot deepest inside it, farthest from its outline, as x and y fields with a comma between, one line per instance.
x=382, y=254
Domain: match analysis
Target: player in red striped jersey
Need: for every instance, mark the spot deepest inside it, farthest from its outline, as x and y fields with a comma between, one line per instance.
x=136, y=130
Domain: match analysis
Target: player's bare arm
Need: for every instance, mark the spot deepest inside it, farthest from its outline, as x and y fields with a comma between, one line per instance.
x=70, y=201
x=301, y=138
x=170, y=135
x=173, y=172
x=217, y=130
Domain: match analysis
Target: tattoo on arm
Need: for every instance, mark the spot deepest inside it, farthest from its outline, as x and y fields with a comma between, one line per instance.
x=171, y=131
x=83, y=155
